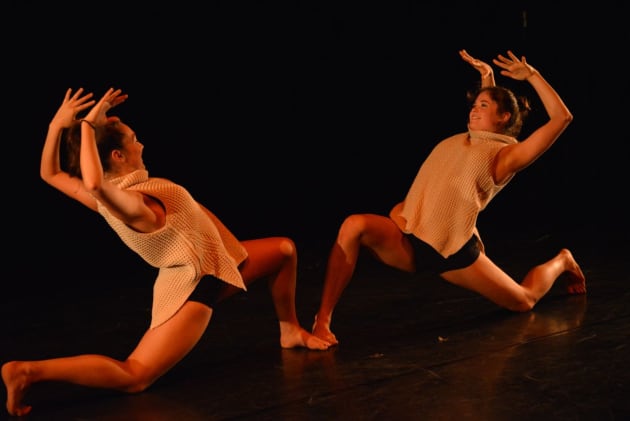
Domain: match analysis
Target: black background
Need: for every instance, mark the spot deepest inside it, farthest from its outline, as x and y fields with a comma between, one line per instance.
x=283, y=118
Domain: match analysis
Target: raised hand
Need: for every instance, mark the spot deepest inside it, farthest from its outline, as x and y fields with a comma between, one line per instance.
x=98, y=114
x=72, y=105
x=513, y=66
x=482, y=67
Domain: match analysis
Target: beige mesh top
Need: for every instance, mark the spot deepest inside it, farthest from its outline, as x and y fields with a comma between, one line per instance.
x=452, y=186
x=190, y=245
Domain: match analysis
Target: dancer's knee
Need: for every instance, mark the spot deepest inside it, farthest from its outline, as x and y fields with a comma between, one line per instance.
x=522, y=304
x=139, y=378
x=352, y=227
x=287, y=247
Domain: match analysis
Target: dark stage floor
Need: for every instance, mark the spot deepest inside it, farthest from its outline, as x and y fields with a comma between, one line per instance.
x=411, y=348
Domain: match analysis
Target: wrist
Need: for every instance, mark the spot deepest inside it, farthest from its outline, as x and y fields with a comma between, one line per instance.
x=89, y=123
x=57, y=125
x=533, y=72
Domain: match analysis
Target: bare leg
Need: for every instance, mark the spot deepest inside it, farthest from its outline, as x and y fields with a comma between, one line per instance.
x=276, y=258
x=489, y=280
x=339, y=270
x=157, y=352
x=378, y=234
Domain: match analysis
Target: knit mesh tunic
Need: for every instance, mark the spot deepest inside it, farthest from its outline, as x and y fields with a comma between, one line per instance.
x=452, y=186
x=191, y=244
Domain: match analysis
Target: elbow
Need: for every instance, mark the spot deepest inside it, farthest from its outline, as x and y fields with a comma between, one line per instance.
x=93, y=180
x=48, y=177
x=47, y=171
x=568, y=118
x=562, y=121
x=92, y=186
x=45, y=176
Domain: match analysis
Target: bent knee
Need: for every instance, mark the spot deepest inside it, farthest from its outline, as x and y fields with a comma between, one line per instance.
x=522, y=305
x=139, y=378
x=352, y=226
x=287, y=247
x=136, y=387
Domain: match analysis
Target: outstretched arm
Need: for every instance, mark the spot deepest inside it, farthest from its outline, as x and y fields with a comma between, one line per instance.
x=484, y=69
x=514, y=158
x=50, y=165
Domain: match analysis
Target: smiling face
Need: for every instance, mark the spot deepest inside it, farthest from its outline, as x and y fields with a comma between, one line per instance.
x=484, y=114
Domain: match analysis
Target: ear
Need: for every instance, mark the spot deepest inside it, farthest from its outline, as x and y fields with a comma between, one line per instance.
x=505, y=117
x=117, y=155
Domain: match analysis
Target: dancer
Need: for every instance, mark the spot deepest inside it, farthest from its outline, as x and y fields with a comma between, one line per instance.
x=434, y=227
x=200, y=261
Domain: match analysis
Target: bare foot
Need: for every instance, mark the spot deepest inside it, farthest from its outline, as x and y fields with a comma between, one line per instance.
x=292, y=336
x=322, y=331
x=577, y=281
x=15, y=379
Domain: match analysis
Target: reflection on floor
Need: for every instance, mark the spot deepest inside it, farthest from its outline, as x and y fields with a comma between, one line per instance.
x=411, y=348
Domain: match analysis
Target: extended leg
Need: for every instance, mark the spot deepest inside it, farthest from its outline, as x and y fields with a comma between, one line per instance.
x=492, y=282
x=158, y=350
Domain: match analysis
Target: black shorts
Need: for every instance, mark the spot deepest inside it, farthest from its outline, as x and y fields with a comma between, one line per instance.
x=428, y=259
x=208, y=291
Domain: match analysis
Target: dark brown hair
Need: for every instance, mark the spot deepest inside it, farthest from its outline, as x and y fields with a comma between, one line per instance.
x=108, y=138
